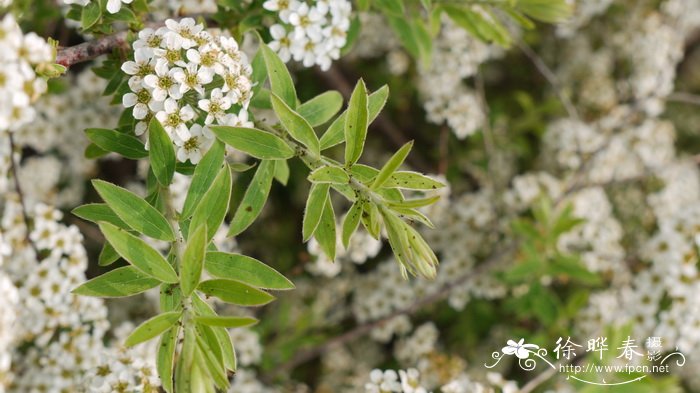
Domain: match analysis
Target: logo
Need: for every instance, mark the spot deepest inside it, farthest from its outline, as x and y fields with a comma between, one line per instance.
x=624, y=359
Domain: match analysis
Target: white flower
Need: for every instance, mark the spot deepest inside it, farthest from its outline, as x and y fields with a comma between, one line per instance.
x=193, y=77
x=140, y=66
x=281, y=42
x=149, y=39
x=283, y=7
x=163, y=83
x=194, y=148
x=383, y=382
x=185, y=31
x=410, y=381
x=519, y=349
x=240, y=120
x=215, y=107
x=113, y=6
x=307, y=22
x=173, y=119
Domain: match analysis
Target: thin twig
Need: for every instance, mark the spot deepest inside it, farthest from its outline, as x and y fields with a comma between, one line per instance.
x=89, y=50
x=686, y=98
x=20, y=194
x=550, y=76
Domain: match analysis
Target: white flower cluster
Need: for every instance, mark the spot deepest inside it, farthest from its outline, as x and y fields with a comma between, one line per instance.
x=405, y=381
x=362, y=247
x=188, y=79
x=312, y=33
x=20, y=85
x=8, y=316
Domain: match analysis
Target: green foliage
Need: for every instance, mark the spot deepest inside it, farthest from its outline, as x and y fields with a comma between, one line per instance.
x=161, y=153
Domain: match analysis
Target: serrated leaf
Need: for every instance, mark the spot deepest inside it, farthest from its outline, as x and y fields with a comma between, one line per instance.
x=120, y=282
x=254, y=142
x=161, y=153
x=325, y=233
x=391, y=166
x=280, y=80
x=321, y=108
x=245, y=269
x=412, y=181
x=226, y=322
x=213, y=206
x=139, y=254
x=296, y=125
x=351, y=222
x=235, y=292
x=165, y=358
x=329, y=174
x=254, y=198
x=203, y=176
x=97, y=212
x=152, y=328
x=134, y=211
x=118, y=142
x=315, y=204
x=193, y=260
x=335, y=134
x=356, y=123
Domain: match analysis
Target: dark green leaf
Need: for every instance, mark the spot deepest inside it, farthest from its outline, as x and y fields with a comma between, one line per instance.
x=245, y=269
x=235, y=292
x=161, y=153
x=117, y=142
x=254, y=198
x=152, y=328
x=120, y=282
x=257, y=143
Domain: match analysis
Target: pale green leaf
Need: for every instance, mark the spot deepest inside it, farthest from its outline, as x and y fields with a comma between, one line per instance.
x=321, y=108
x=351, y=222
x=325, y=233
x=245, y=269
x=254, y=198
x=329, y=174
x=412, y=181
x=226, y=322
x=193, y=260
x=203, y=177
x=161, y=153
x=213, y=206
x=120, y=282
x=134, y=211
x=282, y=171
x=356, y=123
x=314, y=208
x=391, y=166
x=257, y=143
x=152, y=328
x=139, y=254
x=165, y=358
x=280, y=80
x=235, y=292
x=97, y=212
x=296, y=125
x=335, y=134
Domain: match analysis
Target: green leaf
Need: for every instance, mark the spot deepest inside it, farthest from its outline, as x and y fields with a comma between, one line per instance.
x=254, y=198
x=351, y=222
x=161, y=153
x=296, y=125
x=356, y=124
x=412, y=181
x=152, y=328
x=92, y=151
x=209, y=355
x=329, y=174
x=108, y=255
x=254, y=142
x=391, y=7
x=314, y=208
x=259, y=74
x=227, y=352
x=413, y=203
x=90, y=15
x=235, y=292
x=97, y=212
x=335, y=134
x=120, y=282
x=483, y=26
x=203, y=177
x=165, y=358
x=118, y=142
x=213, y=206
x=370, y=219
x=391, y=166
x=226, y=322
x=134, y=211
x=549, y=11
x=139, y=254
x=321, y=108
x=282, y=171
x=245, y=269
x=325, y=233
x=280, y=80
x=193, y=260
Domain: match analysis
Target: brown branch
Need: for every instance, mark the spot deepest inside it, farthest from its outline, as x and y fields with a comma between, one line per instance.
x=686, y=98
x=20, y=194
x=89, y=50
